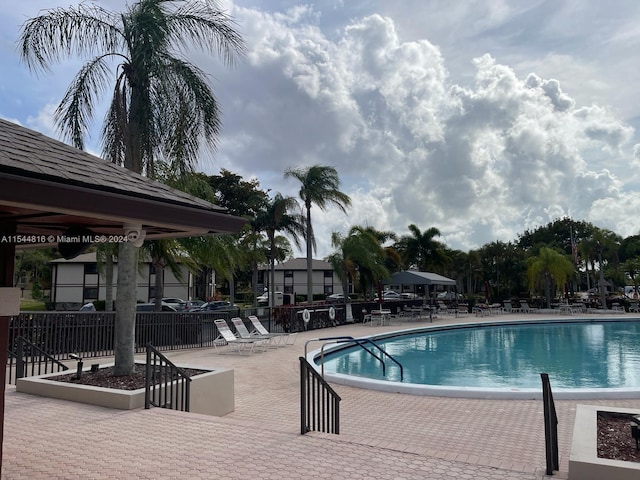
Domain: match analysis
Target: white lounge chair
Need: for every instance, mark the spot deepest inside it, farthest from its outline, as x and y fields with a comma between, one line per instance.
x=244, y=334
x=226, y=335
x=259, y=329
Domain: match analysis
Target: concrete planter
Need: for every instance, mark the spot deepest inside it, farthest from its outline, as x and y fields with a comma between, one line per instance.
x=584, y=463
x=212, y=393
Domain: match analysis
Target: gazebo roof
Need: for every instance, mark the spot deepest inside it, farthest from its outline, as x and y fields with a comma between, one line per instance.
x=47, y=186
x=414, y=277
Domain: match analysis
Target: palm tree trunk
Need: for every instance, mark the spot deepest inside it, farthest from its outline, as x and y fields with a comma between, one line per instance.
x=125, y=323
x=309, y=256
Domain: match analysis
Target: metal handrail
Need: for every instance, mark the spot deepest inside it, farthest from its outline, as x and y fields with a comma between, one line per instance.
x=38, y=357
x=166, y=385
x=359, y=342
x=319, y=403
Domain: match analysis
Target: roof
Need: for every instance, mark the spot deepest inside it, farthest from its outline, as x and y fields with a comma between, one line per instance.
x=47, y=186
x=411, y=277
x=301, y=264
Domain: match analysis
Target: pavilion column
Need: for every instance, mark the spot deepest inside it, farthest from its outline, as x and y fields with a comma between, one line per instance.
x=7, y=259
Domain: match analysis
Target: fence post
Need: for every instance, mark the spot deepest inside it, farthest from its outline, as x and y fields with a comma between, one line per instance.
x=20, y=358
x=303, y=396
x=550, y=426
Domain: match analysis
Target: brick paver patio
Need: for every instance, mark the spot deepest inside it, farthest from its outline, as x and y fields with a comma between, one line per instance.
x=383, y=435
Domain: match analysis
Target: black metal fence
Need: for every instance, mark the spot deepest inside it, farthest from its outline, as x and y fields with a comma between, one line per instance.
x=30, y=360
x=550, y=426
x=319, y=403
x=166, y=385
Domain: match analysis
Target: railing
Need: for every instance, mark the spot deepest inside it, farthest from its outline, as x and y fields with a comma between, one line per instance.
x=166, y=385
x=550, y=426
x=360, y=342
x=319, y=403
x=29, y=360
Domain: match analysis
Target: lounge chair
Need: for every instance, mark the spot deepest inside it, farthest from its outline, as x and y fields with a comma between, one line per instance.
x=524, y=306
x=226, y=335
x=633, y=307
x=259, y=329
x=244, y=334
x=508, y=308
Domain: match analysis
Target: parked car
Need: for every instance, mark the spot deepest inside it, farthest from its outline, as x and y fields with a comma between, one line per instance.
x=151, y=307
x=215, y=305
x=390, y=295
x=410, y=296
x=264, y=298
x=335, y=297
x=177, y=303
x=449, y=296
x=192, y=304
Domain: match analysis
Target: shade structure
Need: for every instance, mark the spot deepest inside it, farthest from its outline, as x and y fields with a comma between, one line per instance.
x=412, y=277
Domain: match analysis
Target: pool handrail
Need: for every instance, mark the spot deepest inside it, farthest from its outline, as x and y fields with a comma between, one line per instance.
x=357, y=341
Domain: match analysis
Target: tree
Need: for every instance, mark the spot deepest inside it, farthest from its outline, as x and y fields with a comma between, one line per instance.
x=319, y=186
x=549, y=265
x=420, y=249
x=161, y=105
x=277, y=217
x=358, y=256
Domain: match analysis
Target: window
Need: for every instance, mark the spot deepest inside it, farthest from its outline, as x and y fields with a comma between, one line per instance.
x=328, y=274
x=288, y=289
x=90, y=268
x=328, y=289
x=90, y=293
x=288, y=274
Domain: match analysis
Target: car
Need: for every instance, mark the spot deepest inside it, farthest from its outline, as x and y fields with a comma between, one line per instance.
x=335, y=297
x=449, y=296
x=264, y=298
x=192, y=304
x=177, y=303
x=410, y=296
x=390, y=295
x=215, y=305
x=88, y=307
x=151, y=307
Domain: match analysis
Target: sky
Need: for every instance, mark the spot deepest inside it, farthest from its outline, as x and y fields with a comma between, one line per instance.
x=480, y=118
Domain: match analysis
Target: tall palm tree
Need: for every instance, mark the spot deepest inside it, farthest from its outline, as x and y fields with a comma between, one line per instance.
x=421, y=250
x=276, y=217
x=319, y=186
x=549, y=265
x=161, y=105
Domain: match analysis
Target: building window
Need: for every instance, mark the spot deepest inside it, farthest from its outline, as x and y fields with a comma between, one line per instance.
x=288, y=289
x=328, y=274
x=90, y=268
x=328, y=289
x=90, y=293
x=152, y=269
x=288, y=274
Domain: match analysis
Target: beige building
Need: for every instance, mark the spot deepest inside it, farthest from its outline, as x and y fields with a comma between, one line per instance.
x=291, y=277
x=79, y=280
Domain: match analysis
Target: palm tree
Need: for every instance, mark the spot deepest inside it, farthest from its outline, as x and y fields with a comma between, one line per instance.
x=276, y=217
x=549, y=265
x=320, y=186
x=161, y=105
x=421, y=250
x=359, y=256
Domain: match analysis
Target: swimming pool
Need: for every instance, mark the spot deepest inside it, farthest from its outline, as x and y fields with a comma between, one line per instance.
x=587, y=358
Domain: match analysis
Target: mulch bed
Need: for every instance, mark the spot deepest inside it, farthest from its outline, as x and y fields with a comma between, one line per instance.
x=104, y=378
x=614, y=437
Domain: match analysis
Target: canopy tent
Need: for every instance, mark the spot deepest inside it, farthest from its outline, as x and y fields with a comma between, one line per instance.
x=411, y=277
x=416, y=278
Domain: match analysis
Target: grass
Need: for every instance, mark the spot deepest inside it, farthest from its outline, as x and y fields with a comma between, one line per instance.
x=32, y=305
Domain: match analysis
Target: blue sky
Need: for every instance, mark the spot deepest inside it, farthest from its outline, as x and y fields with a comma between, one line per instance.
x=481, y=118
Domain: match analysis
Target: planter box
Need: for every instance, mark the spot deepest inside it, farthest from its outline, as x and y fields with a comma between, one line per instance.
x=584, y=463
x=212, y=393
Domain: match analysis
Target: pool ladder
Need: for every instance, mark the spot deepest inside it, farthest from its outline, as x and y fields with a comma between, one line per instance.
x=361, y=342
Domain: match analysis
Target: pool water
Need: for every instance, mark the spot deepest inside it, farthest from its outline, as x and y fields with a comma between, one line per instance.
x=575, y=355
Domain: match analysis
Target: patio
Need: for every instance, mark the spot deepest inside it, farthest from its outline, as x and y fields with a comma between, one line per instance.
x=382, y=435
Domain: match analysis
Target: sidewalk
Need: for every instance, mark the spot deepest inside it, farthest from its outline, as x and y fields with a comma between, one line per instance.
x=383, y=435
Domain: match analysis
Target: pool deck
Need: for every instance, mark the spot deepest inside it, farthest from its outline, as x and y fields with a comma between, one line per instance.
x=383, y=435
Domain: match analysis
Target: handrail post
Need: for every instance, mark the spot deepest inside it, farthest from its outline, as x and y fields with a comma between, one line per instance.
x=303, y=397
x=550, y=426
x=20, y=358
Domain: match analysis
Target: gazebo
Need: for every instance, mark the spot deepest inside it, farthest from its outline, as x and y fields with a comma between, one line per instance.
x=51, y=192
x=414, y=277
